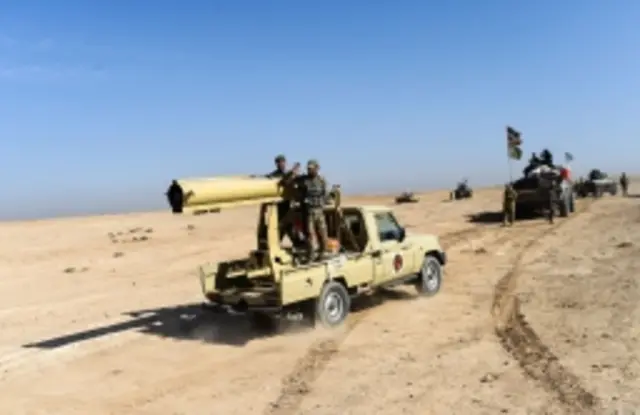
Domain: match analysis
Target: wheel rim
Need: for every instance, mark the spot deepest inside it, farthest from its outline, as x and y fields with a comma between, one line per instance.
x=431, y=275
x=333, y=307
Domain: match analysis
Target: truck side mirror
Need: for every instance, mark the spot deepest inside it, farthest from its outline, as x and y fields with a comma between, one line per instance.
x=402, y=233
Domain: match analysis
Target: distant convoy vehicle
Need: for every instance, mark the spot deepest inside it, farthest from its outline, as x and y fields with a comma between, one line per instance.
x=462, y=191
x=407, y=197
x=371, y=250
x=597, y=184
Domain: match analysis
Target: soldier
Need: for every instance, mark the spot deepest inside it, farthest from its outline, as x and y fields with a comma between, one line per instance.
x=509, y=205
x=550, y=190
x=281, y=167
x=624, y=184
x=284, y=207
x=313, y=198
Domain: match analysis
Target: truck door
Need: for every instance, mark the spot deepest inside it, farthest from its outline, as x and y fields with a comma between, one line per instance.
x=395, y=259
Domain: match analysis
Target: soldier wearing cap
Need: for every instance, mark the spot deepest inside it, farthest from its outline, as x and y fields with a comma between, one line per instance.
x=313, y=198
x=284, y=208
x=281, y=167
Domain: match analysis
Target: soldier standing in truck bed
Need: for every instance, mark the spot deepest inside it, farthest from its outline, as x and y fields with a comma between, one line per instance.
x=509, y=205
x=284, y=207
x=313, y=196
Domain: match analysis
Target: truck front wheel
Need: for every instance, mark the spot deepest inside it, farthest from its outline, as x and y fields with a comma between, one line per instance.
x=333, y=304
x=430, y=276
x=564, y=207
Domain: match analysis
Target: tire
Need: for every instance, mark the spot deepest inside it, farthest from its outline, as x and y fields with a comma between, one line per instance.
x=572, y=203
x=613, y=190
x=332, y=305
x=430, y=277
x=564, y=207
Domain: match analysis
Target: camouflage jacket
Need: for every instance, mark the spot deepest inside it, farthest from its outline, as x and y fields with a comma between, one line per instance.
x=312, y=191
x=509, y=195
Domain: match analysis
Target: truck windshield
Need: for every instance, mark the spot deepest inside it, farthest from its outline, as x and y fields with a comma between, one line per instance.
x=388, y=227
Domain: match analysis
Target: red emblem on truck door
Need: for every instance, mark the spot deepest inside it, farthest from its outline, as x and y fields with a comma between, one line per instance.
x=397, y=262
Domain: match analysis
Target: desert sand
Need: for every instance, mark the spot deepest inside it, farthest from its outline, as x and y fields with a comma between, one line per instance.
x=100, y=315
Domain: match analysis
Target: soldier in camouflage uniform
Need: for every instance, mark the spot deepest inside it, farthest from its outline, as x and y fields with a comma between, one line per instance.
x=284, y=207
x=509, y=205
x=624, y=184
x=281, y=167
x=313, y=199
x=550, y=189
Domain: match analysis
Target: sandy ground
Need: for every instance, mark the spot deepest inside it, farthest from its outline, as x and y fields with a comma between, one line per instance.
x=99, y=316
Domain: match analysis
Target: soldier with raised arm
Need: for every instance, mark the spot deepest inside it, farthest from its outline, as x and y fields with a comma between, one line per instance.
x=284, y=207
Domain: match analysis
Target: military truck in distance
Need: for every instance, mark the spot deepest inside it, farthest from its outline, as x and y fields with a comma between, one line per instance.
x=407, y=197
x=271, y=282
x=462, y=191
x=597, y=183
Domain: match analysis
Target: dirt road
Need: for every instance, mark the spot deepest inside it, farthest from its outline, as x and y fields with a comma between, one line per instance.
x=99, y=315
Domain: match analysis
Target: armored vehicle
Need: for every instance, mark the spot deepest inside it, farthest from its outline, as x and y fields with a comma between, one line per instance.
x=462, y=191
x=532, y=189
x=597, y=183
x=407, y=197
x=371, y=249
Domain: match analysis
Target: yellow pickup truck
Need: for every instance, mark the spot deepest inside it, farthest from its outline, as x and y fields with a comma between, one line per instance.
x=375, y=250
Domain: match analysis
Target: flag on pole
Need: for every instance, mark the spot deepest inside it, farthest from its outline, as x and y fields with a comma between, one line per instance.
x=514, y=141
x=568, y=157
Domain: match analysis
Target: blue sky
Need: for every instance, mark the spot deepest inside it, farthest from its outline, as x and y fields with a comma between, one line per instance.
x=102, y=102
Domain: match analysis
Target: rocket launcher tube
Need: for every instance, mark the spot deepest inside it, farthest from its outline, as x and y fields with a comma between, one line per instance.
x=209, y=193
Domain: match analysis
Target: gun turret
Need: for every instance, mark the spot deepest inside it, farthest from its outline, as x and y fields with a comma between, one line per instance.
x=213, y=193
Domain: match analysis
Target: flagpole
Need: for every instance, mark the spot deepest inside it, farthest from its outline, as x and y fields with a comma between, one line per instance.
x=510, y=165
x=513, y=144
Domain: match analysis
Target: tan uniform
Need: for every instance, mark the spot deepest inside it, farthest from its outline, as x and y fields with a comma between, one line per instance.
x=509, y=205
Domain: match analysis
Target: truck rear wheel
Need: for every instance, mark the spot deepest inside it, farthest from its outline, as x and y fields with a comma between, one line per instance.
x=430, y=276
x=333, y=304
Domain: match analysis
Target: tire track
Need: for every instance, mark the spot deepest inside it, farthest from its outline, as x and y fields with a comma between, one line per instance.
x=525, y=346
x=306, y=369
x=309, y=367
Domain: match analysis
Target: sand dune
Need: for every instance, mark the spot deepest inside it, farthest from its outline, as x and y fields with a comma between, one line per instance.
x=99, y=316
